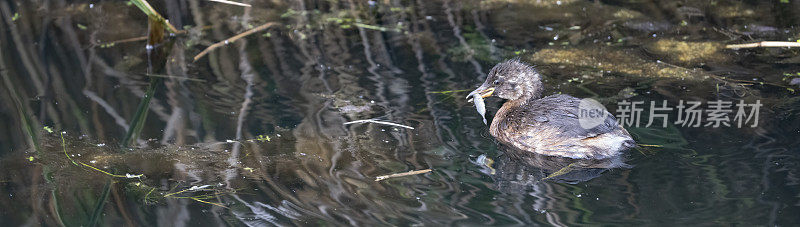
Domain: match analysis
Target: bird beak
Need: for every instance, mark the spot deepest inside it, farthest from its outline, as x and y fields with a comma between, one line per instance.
x=483, y=91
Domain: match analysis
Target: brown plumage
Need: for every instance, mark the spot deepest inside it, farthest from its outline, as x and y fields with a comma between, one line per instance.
x=548, y=125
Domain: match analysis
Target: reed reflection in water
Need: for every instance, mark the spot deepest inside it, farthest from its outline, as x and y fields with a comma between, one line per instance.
x=253, y=133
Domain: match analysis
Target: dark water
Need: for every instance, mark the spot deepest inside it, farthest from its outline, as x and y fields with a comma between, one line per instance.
x=253, y=133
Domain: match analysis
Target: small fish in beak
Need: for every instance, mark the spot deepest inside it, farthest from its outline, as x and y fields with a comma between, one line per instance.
x=480, y=106
x=477, y=96
x=481, y=91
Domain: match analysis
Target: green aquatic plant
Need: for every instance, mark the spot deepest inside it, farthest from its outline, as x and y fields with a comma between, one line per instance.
x=28, y=124
x=562, y=171
x=148, y=10
x=263, y=138
x=199, y=198
x=344, y=19
x=478, y=47
x=134, y=185
x=78, y=163
x=450, y=91
x=95, y=214
x=791, y=77
x=100, y=204
x=156, y=61
x=137, y=123
x=378, y=28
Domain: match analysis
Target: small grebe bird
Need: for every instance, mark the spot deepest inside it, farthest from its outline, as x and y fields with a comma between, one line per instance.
x=548, y=125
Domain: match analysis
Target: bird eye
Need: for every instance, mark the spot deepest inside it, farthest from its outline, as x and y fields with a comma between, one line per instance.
x=496, y=82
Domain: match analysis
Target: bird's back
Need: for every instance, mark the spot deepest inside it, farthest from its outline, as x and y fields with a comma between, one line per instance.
x=550, y=126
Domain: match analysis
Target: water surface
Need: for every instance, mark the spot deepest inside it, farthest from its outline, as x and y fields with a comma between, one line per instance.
x=253, y=133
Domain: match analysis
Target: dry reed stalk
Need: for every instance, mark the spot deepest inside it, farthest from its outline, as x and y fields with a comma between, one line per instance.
x=233, y=39
x=409, y=173
x=763, y=44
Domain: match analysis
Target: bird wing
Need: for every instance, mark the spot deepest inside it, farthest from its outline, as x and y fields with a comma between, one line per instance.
x=551, y=124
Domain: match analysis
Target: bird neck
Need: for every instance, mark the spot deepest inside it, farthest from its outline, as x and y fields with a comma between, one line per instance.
x=526, y=97
x=499, y=117
x=532, y=90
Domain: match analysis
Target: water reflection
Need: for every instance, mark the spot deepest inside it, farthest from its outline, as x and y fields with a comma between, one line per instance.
x=253, y=133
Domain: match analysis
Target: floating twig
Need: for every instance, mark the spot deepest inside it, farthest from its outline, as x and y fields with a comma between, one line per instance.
x=128, y=40
x=231, y=3
x=142, y=38
x=233, y=39
x=378, y=122
x=746, y=82
x=409, y=173
x=763, y=44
